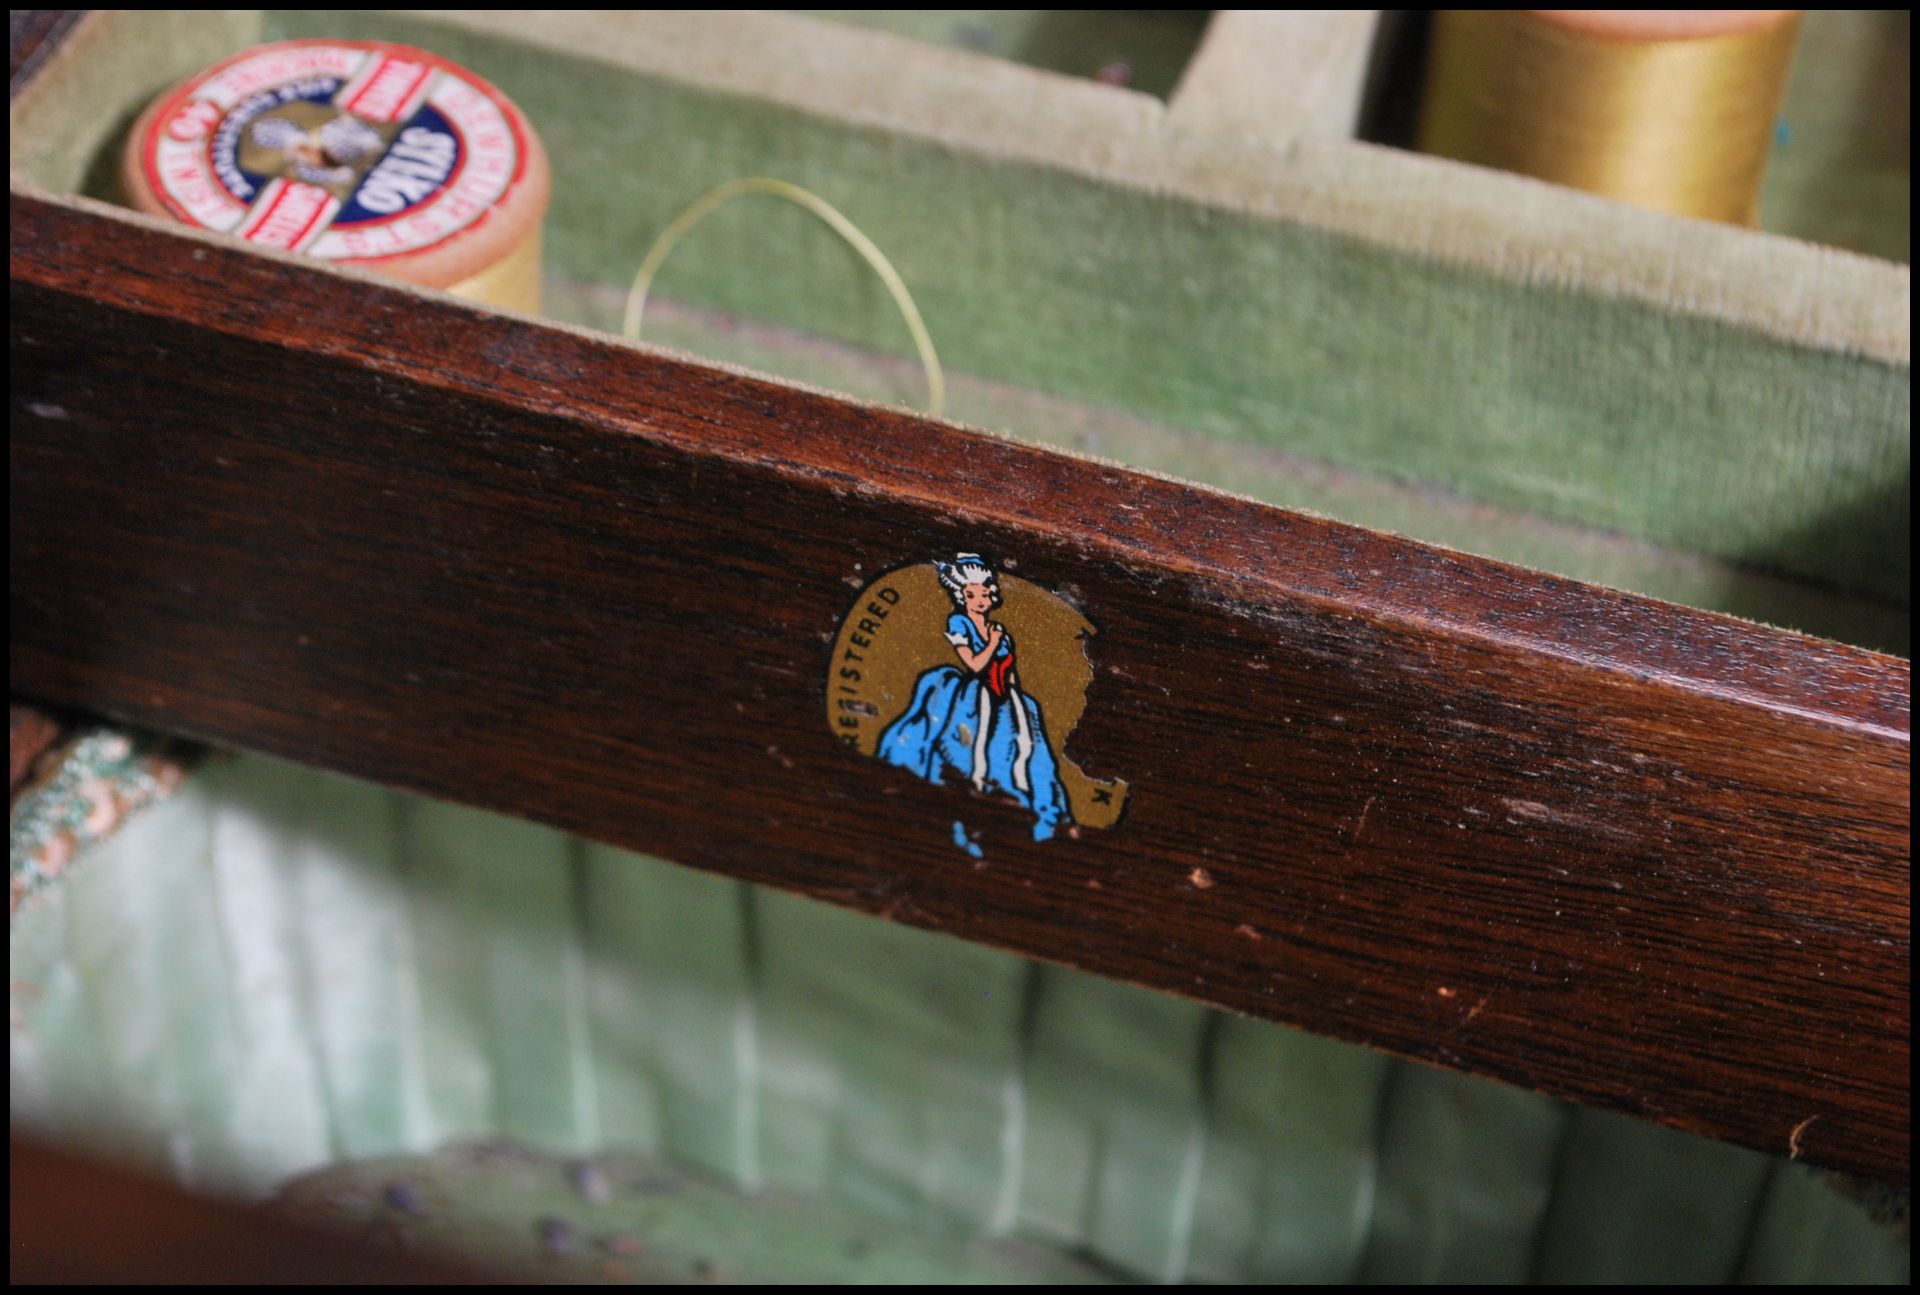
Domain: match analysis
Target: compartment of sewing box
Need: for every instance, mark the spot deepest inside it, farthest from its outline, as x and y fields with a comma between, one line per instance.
x=1707, y=414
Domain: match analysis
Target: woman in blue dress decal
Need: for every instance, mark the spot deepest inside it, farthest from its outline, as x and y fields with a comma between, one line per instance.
x=973, y=720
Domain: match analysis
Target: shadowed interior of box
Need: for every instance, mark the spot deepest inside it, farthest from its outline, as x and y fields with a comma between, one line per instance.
x=1663, y=449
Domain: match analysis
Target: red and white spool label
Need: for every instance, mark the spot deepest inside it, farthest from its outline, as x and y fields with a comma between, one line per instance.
x=338, y=149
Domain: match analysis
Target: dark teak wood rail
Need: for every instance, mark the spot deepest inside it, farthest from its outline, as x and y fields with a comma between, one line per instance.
x=1648, y=858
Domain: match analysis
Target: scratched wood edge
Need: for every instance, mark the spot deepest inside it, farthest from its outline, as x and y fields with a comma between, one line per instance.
x=32, y=37
x=1220, y=548
x=1656, y=641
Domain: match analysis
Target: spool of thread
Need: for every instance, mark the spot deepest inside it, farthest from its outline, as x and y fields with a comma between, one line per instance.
x=362, y=152
x=1671, y=109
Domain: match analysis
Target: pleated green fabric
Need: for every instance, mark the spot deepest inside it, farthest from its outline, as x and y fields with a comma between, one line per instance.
x=279, y=969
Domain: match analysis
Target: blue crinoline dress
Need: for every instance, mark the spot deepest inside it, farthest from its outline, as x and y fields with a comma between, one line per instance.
x=981, y=727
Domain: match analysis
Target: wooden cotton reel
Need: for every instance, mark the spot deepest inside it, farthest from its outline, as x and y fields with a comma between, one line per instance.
x=363, y=152
x=1670, y=109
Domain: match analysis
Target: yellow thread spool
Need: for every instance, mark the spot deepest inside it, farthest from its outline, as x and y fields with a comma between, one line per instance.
x=363, y=152
x=1672, y=110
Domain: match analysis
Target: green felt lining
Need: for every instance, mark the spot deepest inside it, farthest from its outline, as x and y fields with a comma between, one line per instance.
x=1153, y=44
x=1842, y=165
x=523, y=1214
x=1694, y=433
x=1681, y=426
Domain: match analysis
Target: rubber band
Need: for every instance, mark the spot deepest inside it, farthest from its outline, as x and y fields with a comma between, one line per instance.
x=874, y=257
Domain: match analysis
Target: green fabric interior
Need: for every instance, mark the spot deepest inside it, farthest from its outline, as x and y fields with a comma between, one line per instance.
x=626, y=1218
x=1153, y=44
x=1690, y=433
x=280, y=969
x=1598, y=437
x=1842, y=165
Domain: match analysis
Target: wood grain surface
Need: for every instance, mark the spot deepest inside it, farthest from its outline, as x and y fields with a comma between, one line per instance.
x=1648, y=858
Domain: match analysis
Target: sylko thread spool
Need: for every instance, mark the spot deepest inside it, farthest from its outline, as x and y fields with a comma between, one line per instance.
x=363, y=152
x=1670, y=109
